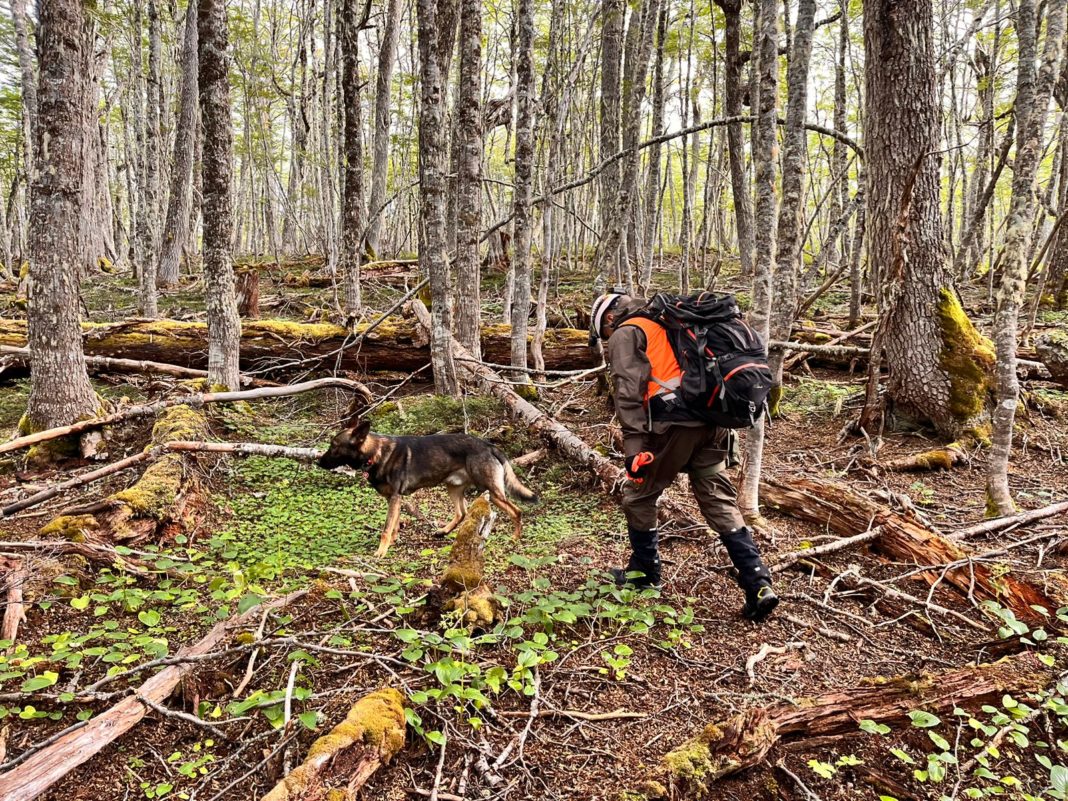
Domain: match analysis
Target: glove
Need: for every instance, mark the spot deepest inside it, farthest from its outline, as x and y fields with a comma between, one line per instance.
x=638, y=465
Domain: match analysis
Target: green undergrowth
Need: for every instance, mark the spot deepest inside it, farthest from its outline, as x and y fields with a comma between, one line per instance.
x=13, y=397
x=286, y=515
x=438, y=414
x=810, y=397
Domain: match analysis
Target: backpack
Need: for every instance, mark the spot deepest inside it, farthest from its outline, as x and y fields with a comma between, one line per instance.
x=725, y=373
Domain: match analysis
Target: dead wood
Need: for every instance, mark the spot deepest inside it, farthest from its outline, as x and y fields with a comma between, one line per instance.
x=15, y=575
x=194, y=400
x=612, y=477
x=1013, y=521
x=790, y=559
x=92, y=552
x=32, y=777
x=248, y=293
x=282, y=344
x=936, y=459
x=905, y=539
x=745, y=739
x=1052, y=348
x=462, y=590
x=340, y=763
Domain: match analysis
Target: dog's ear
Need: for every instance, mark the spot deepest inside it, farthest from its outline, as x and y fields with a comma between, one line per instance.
x=356, y=408
x=359, y=429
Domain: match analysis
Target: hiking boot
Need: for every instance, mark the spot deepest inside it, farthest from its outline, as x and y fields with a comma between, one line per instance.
x=644, y=559
x=760, y=601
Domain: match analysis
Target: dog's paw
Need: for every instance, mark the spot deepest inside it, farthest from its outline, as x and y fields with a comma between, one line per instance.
x=441, y=533
x=381, y=551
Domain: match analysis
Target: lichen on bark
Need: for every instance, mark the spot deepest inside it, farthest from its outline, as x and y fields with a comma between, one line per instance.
x=968, y=359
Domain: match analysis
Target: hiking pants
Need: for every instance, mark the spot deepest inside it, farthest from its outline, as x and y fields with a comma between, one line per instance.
x=700, y=452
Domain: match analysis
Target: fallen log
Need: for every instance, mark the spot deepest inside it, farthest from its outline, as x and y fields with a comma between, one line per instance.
x=43, y=769
x=166, y=495
x=393, y=345
x=1052, y=349
x=744, y=740
x=90, y=551
x=462, y=589
x=848, y=513
x=340, y=763
x=936, y=459
x=612, y=477
x=194, y=400
x=790, y=559
x=1012, y=521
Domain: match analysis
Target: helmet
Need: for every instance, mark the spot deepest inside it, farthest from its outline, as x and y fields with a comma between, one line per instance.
x=600, y=307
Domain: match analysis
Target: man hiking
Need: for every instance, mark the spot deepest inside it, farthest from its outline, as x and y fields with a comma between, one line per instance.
x=662, y=438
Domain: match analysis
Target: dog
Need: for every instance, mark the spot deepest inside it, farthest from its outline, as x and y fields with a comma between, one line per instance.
x=397, y=466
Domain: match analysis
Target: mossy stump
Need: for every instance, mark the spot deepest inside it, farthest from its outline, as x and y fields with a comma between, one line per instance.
x=461, y=589
x=341, y=761
x=1052, y=349
x=166, y=496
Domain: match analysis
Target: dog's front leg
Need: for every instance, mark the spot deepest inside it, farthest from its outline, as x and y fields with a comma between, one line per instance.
x=389, y=533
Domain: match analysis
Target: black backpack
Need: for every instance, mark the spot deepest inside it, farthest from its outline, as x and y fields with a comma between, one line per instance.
x=724, y=362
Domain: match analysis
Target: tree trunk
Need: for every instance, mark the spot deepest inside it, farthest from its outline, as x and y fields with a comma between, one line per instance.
x=224, y=325
x=352, y=213
x=433, y=257
x=60, y=392
x=469, y=178
x=612, y=16
x=765, y=222
x=792, y=210
x=1032, y=102
x=180, y=197
x=524, y=184
x=387, y=57
x=652, y=183
x=29, y=82
x=938, y=363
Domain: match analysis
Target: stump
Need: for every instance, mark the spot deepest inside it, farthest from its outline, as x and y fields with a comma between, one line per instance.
x=248, y=293
x=462, y=589
x=1052, y=348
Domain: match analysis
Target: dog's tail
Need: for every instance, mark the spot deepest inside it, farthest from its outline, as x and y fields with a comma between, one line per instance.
x=515, y=487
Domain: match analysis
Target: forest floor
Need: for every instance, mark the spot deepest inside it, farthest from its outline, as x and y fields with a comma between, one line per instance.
x=570, y=641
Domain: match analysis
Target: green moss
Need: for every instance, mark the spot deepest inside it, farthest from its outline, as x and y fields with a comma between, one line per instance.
x=967, y=357
x=812, y=398
x=70, y=527
x=433, y=414
x=155, y=493
x=376, y=720
x=179, y=423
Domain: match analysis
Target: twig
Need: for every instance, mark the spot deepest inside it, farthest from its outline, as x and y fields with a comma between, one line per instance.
x=287, y=707
x=830, y=547
x=811, y=796
x=213, y=726
x=1012, y=521
x=437, y=776
x=890, y=592
x=766, y=651
x=830, y=633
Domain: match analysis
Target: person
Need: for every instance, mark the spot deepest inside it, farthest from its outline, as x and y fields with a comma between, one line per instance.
x=661, y=439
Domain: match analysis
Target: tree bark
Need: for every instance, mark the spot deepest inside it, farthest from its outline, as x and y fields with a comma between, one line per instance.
x=1032, y=101
x=433, y=258
x=180, y=197
x=765, y=157
x=652, y=182
x=60, y=392
x=224, y=325
x=352, y=212
x=469, y=179
x=387, y=58
x=21, y=24
x=612, y=16
x=524, y=184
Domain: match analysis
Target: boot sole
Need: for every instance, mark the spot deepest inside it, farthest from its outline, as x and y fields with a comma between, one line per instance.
x=763, y=610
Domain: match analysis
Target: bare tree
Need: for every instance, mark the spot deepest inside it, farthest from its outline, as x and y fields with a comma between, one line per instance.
x=60, y=391
x=524, y=184
x=613, y=13
x=469, y=178
x=180, y=197
x=29, y=80
x=1032, y=101
x=350, y=22
x=387, y=58
x=224, y=325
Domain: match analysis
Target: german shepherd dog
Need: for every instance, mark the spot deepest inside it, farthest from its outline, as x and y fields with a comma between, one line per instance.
x=397, y=466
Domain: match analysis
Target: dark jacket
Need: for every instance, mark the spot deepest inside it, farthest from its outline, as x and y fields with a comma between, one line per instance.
x=630, y=370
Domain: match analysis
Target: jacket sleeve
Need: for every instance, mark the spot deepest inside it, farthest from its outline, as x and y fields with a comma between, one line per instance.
x=630, y=376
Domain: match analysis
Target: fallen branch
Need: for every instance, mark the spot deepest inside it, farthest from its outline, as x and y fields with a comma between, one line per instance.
x=793, y=558
x=93, y=552
x=937, y=459
x=371, y=734
x=15, y=575
x=1012, y=521
x=195, y=400
x=765, y=651
x=31, y=778
x=744, y=740
x=904, y=538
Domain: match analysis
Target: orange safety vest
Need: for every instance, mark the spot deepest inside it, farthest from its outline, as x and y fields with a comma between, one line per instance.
x=665, y=375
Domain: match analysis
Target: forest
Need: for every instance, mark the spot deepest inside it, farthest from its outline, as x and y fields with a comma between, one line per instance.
x=231, y=229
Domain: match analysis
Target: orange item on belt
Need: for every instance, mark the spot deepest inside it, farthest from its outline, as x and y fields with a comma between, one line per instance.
x=665, y=375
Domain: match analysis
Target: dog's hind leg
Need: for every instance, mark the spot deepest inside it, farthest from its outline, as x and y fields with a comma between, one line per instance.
x=389, y=533
x=509, y=509
x=459, y=508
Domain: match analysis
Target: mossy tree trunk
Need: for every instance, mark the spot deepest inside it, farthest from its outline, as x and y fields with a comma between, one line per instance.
x=60, y=392
x=1032, y=100
x=939, y=367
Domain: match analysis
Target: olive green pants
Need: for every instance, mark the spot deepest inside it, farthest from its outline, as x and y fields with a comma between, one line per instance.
x=701, y=452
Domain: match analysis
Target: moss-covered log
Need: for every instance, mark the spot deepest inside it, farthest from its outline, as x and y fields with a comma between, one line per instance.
x=1052, y=348
x=166, y=494
x=393, y=345
x=340, y=762
x=744, y=740
x=461, y=590
x=904, y=538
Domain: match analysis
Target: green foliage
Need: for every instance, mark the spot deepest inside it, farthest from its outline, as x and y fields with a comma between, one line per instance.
x=815, y=398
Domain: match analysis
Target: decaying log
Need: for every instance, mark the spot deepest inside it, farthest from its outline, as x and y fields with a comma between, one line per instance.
x=340, y=762
x=394, y=345
x=1012, y=521
x=92, y=552
x=848, y=513
x=790, y=559
x=1052, y=349
x=612, y=477
x=15, y=575
x=744, y=740
x=32, y=777
x=936, y=459
x=193, y=400
x=248, y=293
x=165, y=495
x=462, y=589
